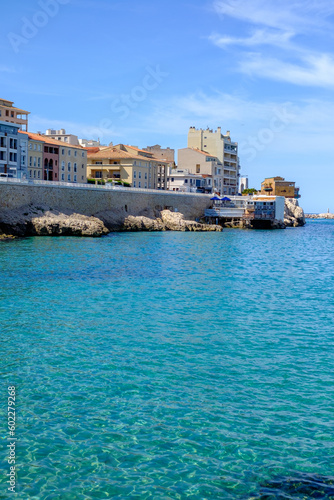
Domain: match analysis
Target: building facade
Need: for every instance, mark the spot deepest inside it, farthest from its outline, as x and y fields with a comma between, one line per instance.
x=127, y=164
x=200, y=162
x=10, y=114
x=13, y=151
x=60, y=135
x=35, y=148
x=221, y=147
x=278, y=186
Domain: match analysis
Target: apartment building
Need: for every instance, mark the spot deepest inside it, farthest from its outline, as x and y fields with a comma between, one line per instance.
x=128, y=164
x=200, y=162
x=221, y=147
x=278, y=186
x=35, y=149
x=13, y=151
x=10, y=114
x=62, y=136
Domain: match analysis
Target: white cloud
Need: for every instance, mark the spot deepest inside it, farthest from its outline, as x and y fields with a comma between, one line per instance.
x=284, y=15
x=314, y=70
x=258, y=37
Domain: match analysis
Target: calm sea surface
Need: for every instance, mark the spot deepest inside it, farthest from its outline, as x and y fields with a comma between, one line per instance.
x=170, y=365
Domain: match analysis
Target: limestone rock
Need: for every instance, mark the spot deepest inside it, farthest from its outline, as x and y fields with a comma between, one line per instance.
x=141, y=223
x=44, y=221
x=293, y=214
x=174, y=221
x=59, y=224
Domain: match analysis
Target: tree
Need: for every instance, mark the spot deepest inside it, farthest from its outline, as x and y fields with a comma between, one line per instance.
x=249, y=191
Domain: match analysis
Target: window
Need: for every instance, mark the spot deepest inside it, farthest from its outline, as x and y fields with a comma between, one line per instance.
x=198, y=169
x=39, y=162
x=30, y=145
x=63, y=166
x=69, y=152
x=145, y=184
x=63, y=151
x=74, y=167
x=134, y=184
x=39, y=147
x=82, y=166
x=139, y=175
x=62, y=177
x=30, y=161
x=145, y=175
x=34, y=174
x=69, y=177
x=135, y=163
x=134, y=174
x=139, y=184
x=186, y=181
x=75, y=153
x=35, y=161
x=23, y=160
x=69, y=166
x=83, y=154
x=75, y=178
x=35, y=147
x=30, y=174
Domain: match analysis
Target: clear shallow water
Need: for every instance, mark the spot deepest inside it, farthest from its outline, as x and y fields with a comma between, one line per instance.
x=170, y=365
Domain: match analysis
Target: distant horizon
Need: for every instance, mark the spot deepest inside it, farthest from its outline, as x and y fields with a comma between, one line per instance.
x=143, y=74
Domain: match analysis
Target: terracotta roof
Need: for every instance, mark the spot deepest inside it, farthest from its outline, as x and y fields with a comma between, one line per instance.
x=13, y=107
x=34, y=137
x=140, y=150
x=113, y=152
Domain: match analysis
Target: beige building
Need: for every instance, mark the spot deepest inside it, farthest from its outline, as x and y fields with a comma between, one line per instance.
x=127, y=164
x=221, y=147
x=200, y=162
x=278, y=186
x=35, y=156
x=72, y=163
x=8, y=113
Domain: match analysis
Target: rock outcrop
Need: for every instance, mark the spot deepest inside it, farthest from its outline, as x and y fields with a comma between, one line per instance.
x=168, y=221
x=293, y=214
x=43, y=221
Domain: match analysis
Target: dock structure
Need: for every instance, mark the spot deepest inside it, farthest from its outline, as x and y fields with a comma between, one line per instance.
x=247, y=211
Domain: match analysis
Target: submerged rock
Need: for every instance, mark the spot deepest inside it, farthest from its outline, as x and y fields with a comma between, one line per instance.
x=298, y=486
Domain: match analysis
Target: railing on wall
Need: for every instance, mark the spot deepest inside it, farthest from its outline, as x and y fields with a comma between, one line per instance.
x=106, y=187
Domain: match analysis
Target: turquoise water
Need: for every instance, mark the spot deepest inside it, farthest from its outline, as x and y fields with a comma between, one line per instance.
x=170, y=365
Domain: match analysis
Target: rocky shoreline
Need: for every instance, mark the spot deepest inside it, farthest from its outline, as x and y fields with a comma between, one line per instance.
x=46, y=221
x=319, y=216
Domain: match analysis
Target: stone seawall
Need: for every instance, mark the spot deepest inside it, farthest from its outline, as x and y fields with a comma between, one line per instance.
x=110, y=205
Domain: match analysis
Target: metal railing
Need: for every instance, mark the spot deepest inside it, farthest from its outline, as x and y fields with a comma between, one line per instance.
x=106, y=187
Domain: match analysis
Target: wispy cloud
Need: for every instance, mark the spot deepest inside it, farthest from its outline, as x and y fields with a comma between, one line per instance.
x=6, y=69
x=314, y=70
x=258, y=37
x=284, y=15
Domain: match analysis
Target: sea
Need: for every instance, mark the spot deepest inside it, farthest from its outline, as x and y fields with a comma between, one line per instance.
x=169, y=365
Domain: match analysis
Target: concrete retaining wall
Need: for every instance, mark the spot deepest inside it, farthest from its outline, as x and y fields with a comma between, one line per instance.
x=92, y=201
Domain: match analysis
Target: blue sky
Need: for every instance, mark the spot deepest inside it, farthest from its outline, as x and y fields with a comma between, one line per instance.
x=142, y=72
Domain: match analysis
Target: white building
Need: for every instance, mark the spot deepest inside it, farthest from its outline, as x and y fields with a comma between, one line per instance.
x=182, y=180
x=60, y=135
x=243, y=184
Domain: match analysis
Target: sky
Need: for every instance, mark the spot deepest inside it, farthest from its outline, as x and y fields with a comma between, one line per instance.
x=142, y=73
